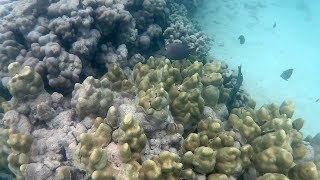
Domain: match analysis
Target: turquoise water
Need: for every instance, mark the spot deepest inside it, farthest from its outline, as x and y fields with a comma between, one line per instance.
x=267, y=52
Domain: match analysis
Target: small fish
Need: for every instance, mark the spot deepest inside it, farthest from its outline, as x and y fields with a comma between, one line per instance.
x=274, y=25
x=267, y=131
x=317, y=100
x=177, y=51
x=286, y=74
x=242, y=39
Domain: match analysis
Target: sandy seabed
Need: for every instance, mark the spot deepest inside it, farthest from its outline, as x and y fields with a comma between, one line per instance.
x=267, y=52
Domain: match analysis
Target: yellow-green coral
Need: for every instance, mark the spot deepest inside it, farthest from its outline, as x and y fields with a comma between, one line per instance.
x=125, y=153
x=155, y=102
x=105, y=174
x=181, y=80
x=211, y=95
x=247, y=155
x=223, y=139
x=118, y=79
x=6, y=106
x=19, y=141
x=229, y=161
x=295, y=137
x=92, y=98
x=188, y=174
x=131, y=133
x=112, y=118
x=277, y=138
x=305, y=170
x=166, y=165
x=16, y=164
x=273, y=176
x=173, y=128
x=217, y=176
x=267, y=113
x=186, y=108
x=224, y=94
x=179, y=88
x=20, y=144
x=212, y=75
x=246, y=126
x=192, y=82
x=215, y=66
x=279, y=116
x=154, y=72
x=194, y=68
x=287, y=108
x=274, y=160
x=182, y=65
x=317, y=163
x=191, y=142
x=204, y=160
x=90, y=153
x=277, y=124
x=150, y=170
x=169, y=163
x=243, y=112
x=299, y=151
x=63, y=173
x=24, y=83
x=187, y=159
x=209, y=128
x=187, y=103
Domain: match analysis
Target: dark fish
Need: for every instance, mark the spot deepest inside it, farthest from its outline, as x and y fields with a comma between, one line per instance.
x=274, y=25
x=286, y=74
x=177, y=51
x=317, y=100
x=4, y=92
x=63, y=153
x=242, y=39
x=235, y=89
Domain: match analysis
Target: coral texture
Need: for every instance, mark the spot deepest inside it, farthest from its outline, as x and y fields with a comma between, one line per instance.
x=86, y=93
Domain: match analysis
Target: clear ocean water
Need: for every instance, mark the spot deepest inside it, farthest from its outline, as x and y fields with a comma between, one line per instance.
x=267, y=52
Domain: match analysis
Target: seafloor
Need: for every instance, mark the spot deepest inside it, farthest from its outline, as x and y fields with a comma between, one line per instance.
x=88, y=93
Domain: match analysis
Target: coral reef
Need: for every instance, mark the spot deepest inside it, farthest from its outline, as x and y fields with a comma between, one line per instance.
x=87, y=94
x=24, y=83
x=92, y=97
